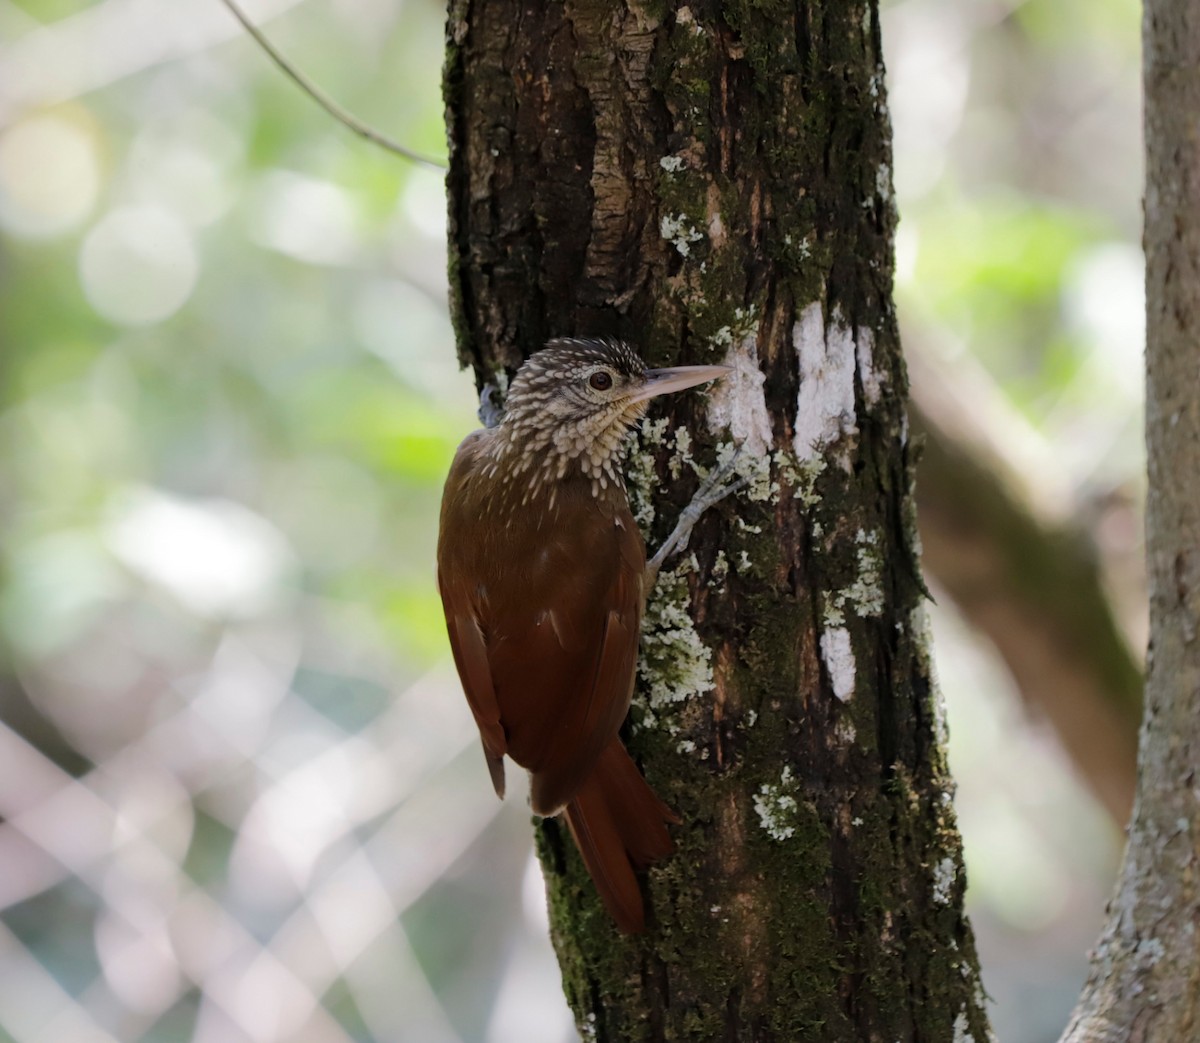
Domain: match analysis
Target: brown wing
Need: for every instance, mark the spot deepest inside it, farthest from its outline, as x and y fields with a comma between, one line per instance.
x=470, y=656
x=462, y=615
x=583, y=733
x=563, y=657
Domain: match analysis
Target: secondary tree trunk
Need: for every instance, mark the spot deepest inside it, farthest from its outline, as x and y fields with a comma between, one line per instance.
x=1145, y=978
x=711, y=182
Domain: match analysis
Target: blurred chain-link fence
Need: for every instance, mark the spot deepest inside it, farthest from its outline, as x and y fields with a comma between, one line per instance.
x=248, y=867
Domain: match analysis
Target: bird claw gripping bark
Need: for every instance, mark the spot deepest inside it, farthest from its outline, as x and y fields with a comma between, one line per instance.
x=713, y=489
x=491, y=406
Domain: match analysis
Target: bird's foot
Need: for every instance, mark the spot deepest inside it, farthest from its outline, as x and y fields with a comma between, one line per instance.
x=715, y=486
x=491, y=406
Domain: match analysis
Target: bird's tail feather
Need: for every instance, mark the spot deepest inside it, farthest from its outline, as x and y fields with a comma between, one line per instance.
x=618, y=824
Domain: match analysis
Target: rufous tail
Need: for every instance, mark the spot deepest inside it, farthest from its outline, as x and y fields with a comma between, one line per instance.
x=619, y=824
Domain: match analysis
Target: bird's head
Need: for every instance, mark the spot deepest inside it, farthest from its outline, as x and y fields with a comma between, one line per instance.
x=575, y=400
x=584, y=387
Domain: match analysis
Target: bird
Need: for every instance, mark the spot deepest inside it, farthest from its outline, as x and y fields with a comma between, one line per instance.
x=543, y=578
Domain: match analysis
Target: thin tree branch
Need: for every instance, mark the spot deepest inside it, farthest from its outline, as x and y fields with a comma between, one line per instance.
x=323, y=99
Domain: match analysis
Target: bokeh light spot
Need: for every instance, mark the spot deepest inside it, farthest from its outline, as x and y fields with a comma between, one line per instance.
x=306, y=218
x=49, y=176
x=216, y=556
x=138, y=265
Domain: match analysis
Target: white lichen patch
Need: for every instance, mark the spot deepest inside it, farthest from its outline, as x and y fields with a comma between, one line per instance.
x=682, y=454
x=871, y=378
x=1149, y=951
x=777, y=807
x=865, y=594
x=832, y=614
x=801, y=251
x=679, y=231
x=716, y=229
x=720, y=567
x=675, y=664
x=653, y=433
x=755, y=469
x=802, y=475
x=944, y=875
x=641, y=478
x=737, y=403
x=883, y=187
x=671, y=164
x=962, y=1031
x=962, y=1027
x=685, y=746
x=922, y=635
x=838, y=656
x=684, y=16
x=922, y=638
x=640, y=482
x=825, y=404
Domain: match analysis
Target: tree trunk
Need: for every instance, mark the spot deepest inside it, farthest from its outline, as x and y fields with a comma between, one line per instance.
x=1145, y=977
x=712, y=183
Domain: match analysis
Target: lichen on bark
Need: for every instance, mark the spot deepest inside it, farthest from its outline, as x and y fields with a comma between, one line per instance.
x=705, y=181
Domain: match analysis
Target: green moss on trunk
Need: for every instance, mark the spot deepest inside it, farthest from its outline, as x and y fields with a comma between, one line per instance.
x=703, y=180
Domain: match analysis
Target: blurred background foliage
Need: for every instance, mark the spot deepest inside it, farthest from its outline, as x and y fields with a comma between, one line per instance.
x=241, y=793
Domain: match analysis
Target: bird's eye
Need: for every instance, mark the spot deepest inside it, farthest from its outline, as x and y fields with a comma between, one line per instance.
x=600, y=380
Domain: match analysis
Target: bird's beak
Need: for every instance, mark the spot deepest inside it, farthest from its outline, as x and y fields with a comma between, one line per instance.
x=664, y=381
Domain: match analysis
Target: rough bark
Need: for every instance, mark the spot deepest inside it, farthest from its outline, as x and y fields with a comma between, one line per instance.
x=1145, y=978
x=711, y=182
x=1033, y=587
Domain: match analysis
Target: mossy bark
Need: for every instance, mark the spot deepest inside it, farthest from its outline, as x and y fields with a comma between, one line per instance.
x=712, y=182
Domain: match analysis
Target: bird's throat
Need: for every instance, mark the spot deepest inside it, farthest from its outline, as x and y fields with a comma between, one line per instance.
x=528, y=464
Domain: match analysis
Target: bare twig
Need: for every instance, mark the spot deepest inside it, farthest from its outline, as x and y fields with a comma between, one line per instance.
x=323, y=99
